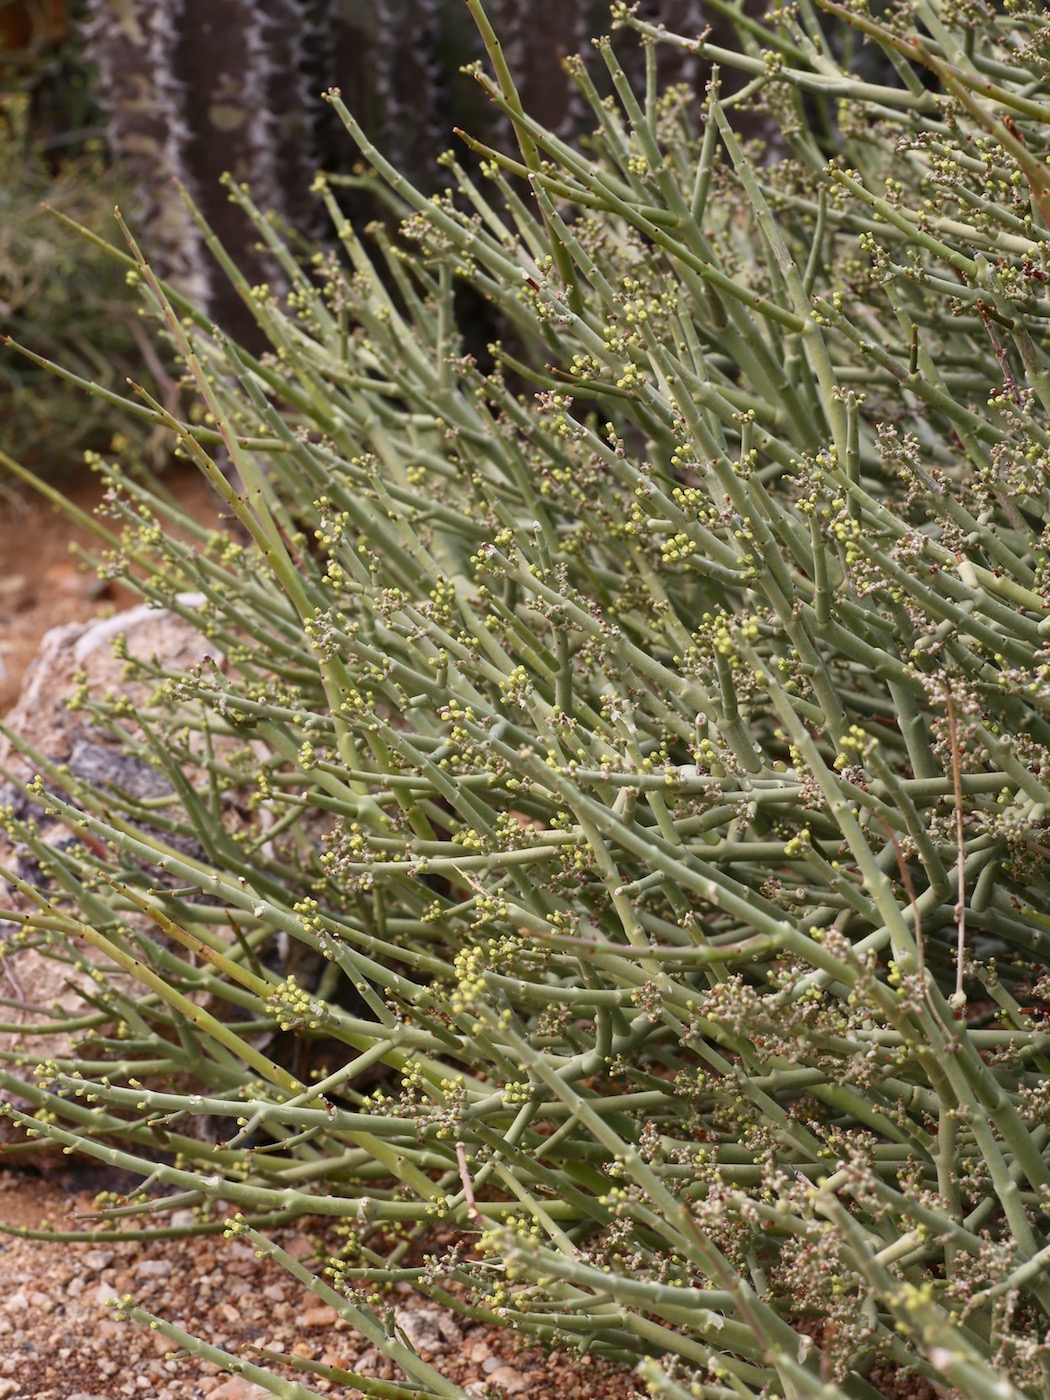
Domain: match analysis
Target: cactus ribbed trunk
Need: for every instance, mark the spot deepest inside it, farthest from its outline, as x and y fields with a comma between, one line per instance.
x=132, y=43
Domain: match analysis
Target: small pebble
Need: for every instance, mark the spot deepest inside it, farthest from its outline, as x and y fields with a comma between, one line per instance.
x=237, y=1388
x=421, y=1327
x=321, y=1315
x=152, y=1268
x=299, y=1246
x=95, y=1260
x=512, y=1381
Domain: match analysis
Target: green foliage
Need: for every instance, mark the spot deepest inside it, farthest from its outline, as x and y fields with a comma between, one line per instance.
x=640, y=743
x=60, y=296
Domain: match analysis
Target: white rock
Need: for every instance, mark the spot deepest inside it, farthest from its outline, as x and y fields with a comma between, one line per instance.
x=104, y=1295
x=428, y=1329
x=96, y=1259
x=153, y=1268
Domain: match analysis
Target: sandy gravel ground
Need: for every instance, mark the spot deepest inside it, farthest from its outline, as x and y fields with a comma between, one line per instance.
x=59, y=1339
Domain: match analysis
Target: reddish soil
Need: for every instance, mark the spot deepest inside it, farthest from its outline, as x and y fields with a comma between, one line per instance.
x=63, y=1338
x=43, y=585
